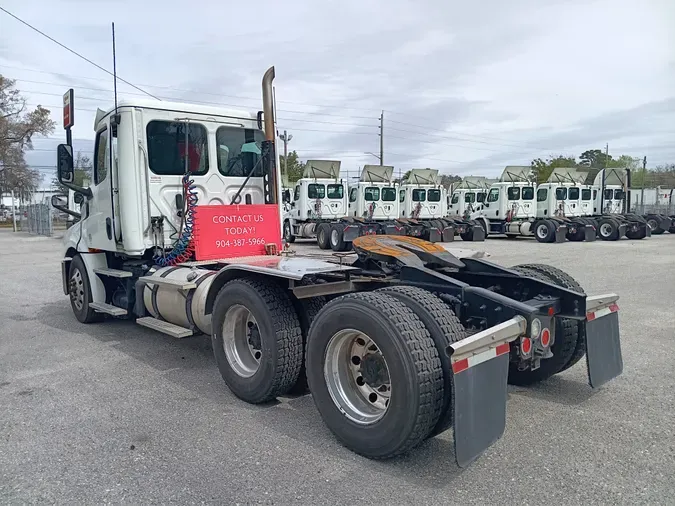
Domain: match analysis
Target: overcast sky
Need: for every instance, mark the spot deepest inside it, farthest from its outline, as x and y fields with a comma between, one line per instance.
x=465, y=88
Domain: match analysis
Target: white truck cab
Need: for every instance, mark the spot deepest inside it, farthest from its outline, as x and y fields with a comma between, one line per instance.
x=375, y=196
x=422, y=197
x=469, y=195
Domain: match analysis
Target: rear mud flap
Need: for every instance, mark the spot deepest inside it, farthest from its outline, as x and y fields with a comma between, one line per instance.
x=603, y=347
x=350, y=233
x=448, y=233
x=590, y=233
x=478, y=234
x=648, y=231
x=479, y=407
x=561, y=233
x=434, y=235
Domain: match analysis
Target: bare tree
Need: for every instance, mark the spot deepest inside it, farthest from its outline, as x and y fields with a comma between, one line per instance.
x=18, y=125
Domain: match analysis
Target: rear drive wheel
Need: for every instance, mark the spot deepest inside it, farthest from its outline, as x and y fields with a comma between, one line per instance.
x=609, y=229
x=306, y=309
x=257, y=339
x=563, y=347
x=337, y=242
x=374, y=373
x=323, y=235
x=544, y=231
x=444, y=328
x=288, y=234
x=79, y=290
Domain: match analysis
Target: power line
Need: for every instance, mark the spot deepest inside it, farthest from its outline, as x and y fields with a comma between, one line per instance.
x=75, y=52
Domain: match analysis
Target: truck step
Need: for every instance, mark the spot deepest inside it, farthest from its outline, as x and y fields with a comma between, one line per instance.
x=102, y=307
x=112, y=273
x=164, y=327
x=169, y=283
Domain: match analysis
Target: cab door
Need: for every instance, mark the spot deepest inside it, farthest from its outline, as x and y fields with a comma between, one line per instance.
x=99, y=227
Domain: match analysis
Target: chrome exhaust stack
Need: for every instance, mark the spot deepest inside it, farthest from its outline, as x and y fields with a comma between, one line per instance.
x=272, y=182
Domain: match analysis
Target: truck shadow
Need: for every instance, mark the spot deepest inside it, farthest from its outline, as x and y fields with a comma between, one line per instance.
x=556, y=389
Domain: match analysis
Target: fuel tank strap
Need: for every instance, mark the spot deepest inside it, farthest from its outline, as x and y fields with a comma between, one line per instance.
x=190, y=296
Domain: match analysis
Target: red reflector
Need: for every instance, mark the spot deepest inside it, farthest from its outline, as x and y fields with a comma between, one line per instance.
x=551, y=311
x=590, y=317
x=526, y=345
x=613, y=308
x=545, y=338
x=503, y=348
x=461, y=365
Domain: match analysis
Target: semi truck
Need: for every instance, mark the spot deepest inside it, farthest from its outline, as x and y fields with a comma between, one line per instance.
x=319, y=197
x=468, y=194
x=180, y=232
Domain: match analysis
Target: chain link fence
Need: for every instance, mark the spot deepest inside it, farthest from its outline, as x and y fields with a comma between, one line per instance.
x=40, y=219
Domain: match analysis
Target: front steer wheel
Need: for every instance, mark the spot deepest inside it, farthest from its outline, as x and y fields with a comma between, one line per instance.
x=374, y=373
x=257, y=339
x=79, y=290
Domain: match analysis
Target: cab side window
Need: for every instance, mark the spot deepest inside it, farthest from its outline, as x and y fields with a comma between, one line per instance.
x=101, y=156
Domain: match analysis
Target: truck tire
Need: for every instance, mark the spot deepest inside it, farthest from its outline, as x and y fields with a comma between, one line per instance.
x=544, y=231
x=564, y=280
x=80, y=294
x=444, y=328
x=306, y=309
x=609, y=229
x=563, y=348
x=655, y=223
x=376, y=407
x=288, y=233
x=323, y=235
x=337, y=242
x=257, y=339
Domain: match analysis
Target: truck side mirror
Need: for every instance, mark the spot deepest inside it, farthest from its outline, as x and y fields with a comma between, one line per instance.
x=65, y=170
x=60, y=202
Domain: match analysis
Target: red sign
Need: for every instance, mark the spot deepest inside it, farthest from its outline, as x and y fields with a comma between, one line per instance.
x=69, y=109
x=227, y=231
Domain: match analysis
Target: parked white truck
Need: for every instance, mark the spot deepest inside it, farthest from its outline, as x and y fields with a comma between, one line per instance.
x=468, y=195
x=180, y=232
x=320, y=196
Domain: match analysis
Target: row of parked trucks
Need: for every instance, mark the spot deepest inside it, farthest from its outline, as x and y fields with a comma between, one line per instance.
x=335, y=211
x=575, y=204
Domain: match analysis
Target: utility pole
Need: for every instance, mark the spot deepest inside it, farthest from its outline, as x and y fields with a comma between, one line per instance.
x=286, y=138
x=13, y=212
x=642, y=190
x=382, y=138
x=604, y=178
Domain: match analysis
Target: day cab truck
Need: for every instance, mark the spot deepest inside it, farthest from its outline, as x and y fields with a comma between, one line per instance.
x=467, y=195
x=318, y=198
x=424, y=212
x=180, y=232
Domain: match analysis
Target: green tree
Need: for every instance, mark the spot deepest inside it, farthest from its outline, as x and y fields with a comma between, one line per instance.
x=84, y=169
x=448, y=179
x=18, y=125
x=595, y=158
x=294, y=170
x=542, y=169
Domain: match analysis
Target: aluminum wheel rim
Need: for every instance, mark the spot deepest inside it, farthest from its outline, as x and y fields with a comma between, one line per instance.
x=605, y=229
x=242, y=346
x=357, y=376
x=652, y=224
x=542, y=230
x=334, y=237
x=77, y=289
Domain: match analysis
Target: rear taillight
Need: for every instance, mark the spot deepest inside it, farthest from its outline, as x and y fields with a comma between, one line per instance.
x=545, y=338
x=525, y=346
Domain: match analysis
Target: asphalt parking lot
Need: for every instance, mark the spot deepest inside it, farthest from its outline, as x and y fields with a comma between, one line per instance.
x=115, y=413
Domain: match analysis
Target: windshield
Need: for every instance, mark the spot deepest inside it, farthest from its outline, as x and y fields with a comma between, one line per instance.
x=335, y=191
x=388, y=194
x=493, y=196
x=239, y=151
